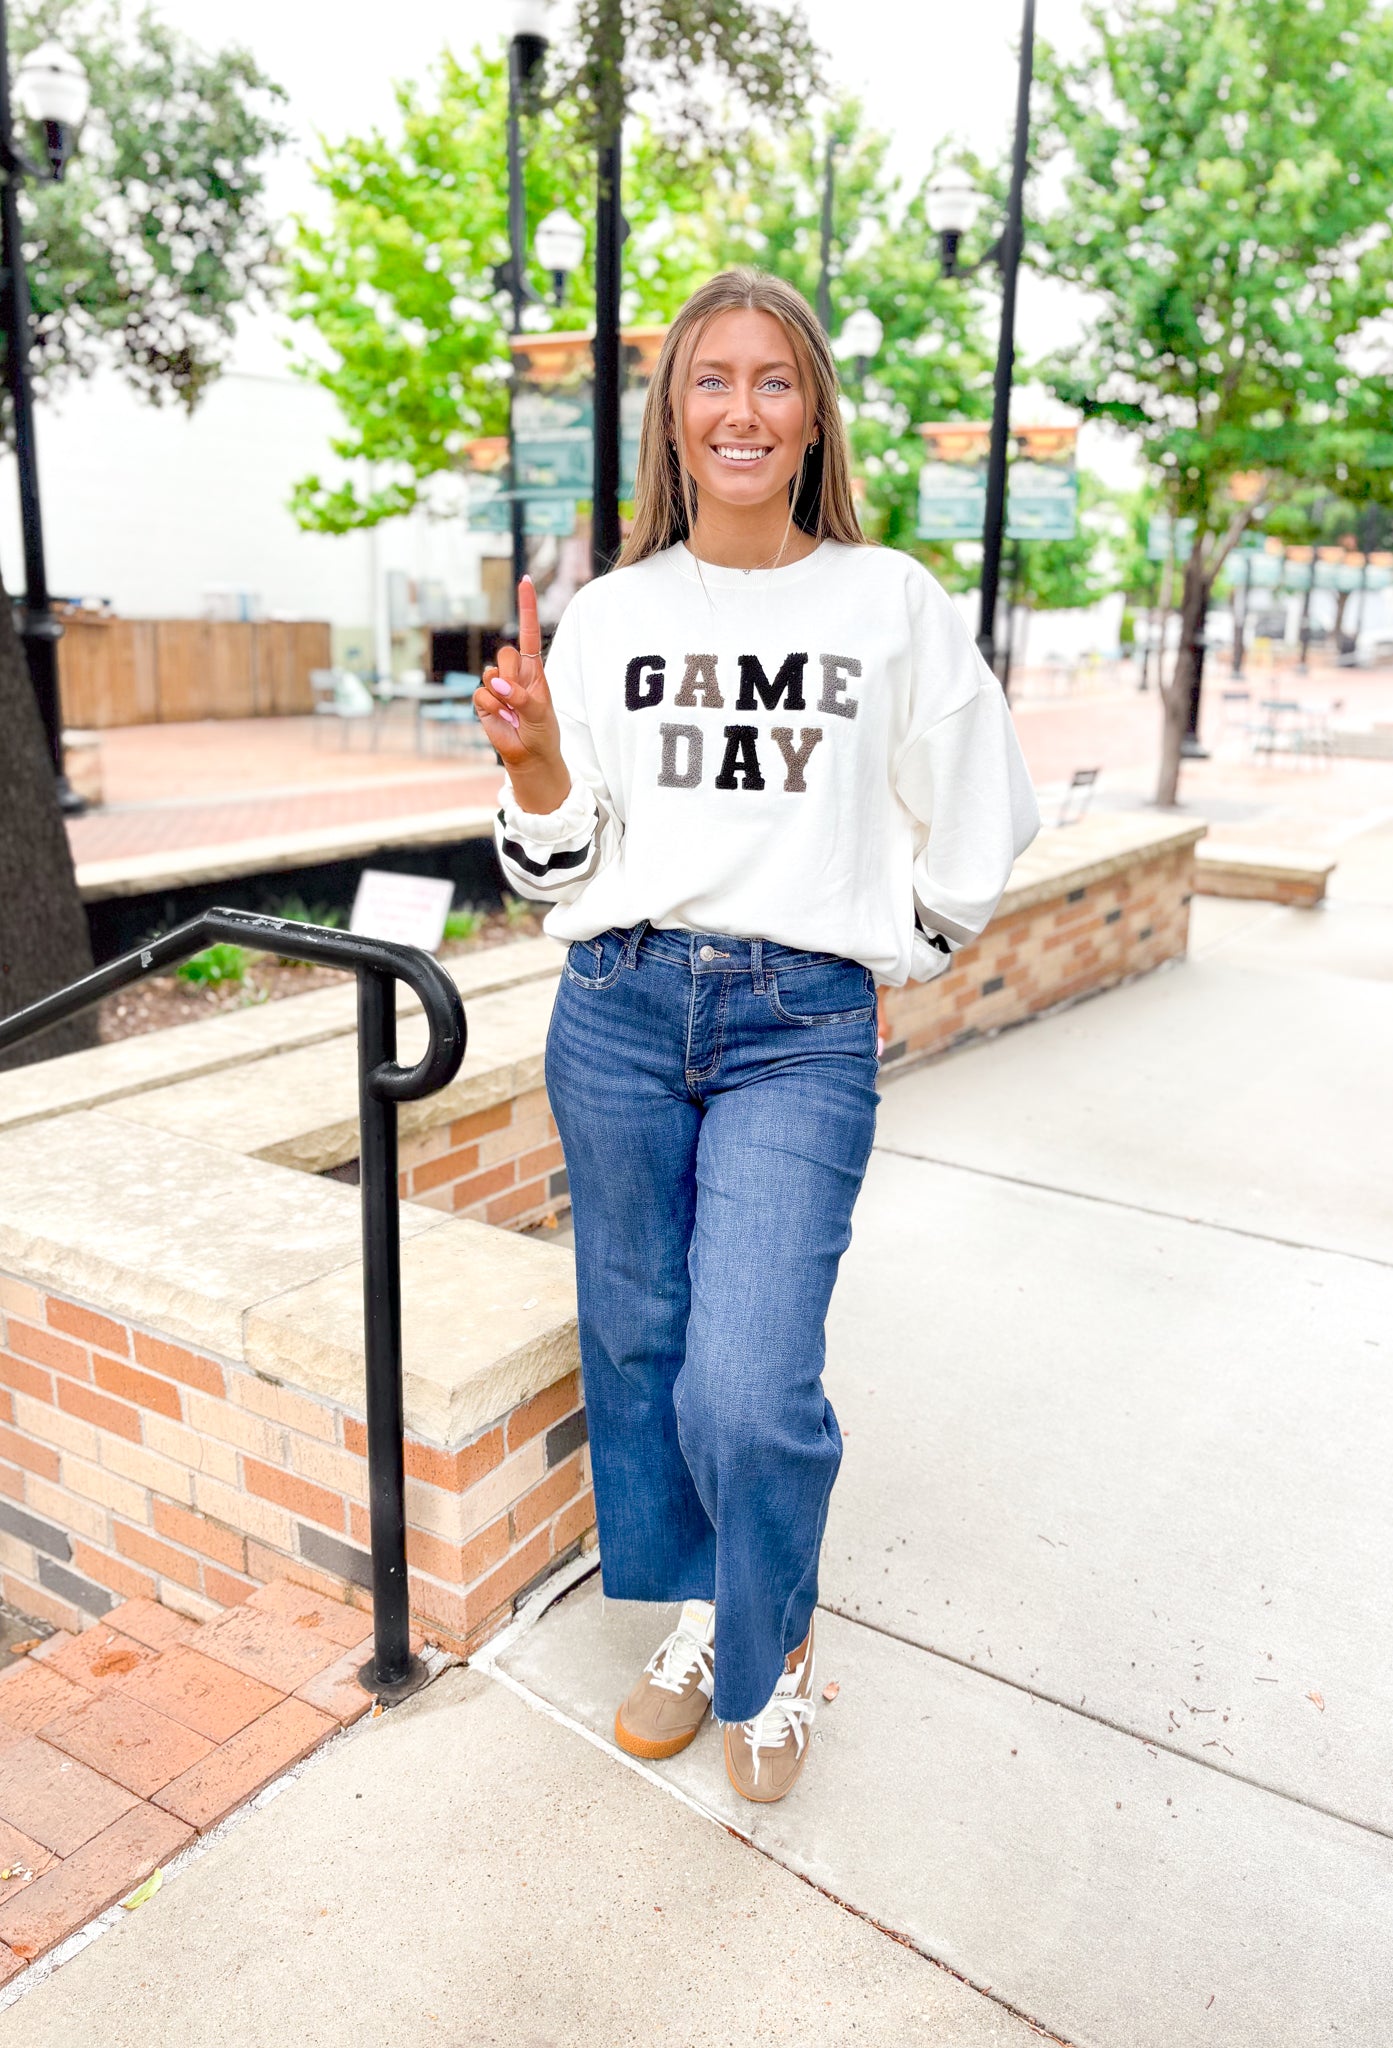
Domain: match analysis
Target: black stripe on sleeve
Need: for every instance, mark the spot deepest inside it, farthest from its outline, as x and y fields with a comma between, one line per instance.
x=513, y=852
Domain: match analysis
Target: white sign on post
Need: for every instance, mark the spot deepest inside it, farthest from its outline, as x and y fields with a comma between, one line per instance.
x=411, y=909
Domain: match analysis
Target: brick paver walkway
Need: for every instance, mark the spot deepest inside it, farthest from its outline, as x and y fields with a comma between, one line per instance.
x=119, y=1746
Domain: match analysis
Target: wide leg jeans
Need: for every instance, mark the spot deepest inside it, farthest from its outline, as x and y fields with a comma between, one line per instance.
x=716, y=1101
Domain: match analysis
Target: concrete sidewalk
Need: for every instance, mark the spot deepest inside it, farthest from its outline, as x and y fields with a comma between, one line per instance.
x=1104, y=1589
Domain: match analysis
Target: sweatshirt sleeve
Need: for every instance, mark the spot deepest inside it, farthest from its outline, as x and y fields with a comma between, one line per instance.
x=963, y=778
x=550, y=856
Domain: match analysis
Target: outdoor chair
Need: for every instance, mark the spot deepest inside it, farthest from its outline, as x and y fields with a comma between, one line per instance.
x=455, y=716
x=341, y=695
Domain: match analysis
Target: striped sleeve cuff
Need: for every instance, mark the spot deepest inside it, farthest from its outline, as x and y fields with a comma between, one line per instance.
x=552, y=845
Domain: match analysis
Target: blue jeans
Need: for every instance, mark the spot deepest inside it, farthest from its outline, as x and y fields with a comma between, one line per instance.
x=716, y=1100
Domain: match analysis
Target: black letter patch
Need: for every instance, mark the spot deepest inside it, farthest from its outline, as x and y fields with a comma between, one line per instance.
x=753, y=678
x=741, y=754
x=641, y=691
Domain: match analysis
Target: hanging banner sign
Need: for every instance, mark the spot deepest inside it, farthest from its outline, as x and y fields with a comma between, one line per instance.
x=554, y=410
x=1167, y=538
x=1041, y=482
x=490, y=511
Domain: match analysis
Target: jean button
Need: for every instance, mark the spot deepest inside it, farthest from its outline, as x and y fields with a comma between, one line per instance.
x=707, y=953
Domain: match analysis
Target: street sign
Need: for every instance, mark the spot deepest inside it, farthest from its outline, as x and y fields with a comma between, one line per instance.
x=1167, y=537
x=411, y=909
x=493, y=514
x=1041, y=485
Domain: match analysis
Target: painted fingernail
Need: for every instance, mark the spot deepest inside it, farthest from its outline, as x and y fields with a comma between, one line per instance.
x=511, y=717
x=500, y=688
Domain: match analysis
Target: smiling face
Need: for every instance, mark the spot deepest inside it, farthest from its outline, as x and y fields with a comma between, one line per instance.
x=745, y=411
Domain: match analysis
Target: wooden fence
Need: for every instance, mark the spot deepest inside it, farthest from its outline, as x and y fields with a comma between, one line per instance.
x=159, y=671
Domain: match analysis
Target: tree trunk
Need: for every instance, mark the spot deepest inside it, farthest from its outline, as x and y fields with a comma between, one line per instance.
x=1175, y=693
x=43, y=929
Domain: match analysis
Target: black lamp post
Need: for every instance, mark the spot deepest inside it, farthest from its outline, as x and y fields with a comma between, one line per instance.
x=51, y=88
x=527, y=43
x=952, y=208
x=824, y=276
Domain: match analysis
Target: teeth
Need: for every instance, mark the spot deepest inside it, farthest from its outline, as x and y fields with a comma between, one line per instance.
x=741, y=454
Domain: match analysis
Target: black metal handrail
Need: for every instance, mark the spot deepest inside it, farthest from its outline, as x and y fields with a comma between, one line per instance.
x=392, y=1672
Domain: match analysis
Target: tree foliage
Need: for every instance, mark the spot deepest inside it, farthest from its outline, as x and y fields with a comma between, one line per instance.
x=158, y=231
x=1226, y=168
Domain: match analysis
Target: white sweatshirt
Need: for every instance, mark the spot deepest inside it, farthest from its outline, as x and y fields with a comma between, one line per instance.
x=814, y=754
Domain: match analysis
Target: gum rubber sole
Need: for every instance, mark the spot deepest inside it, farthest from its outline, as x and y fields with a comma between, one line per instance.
x=652, y=1752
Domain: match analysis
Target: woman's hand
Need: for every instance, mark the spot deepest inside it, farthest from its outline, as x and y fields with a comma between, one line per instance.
x=515, y=709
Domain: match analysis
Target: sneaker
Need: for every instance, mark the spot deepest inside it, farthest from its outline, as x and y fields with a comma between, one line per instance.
x=669, y=1703
x=765, y=1756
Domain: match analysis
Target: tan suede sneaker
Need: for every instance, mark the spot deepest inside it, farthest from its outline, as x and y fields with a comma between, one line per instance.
x=765, y=1756
x=669, y=1703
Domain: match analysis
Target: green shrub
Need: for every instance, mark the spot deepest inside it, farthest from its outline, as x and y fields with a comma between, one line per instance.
x=216, y=964
x=517, y=912
x=466, y=923
x=295, y=911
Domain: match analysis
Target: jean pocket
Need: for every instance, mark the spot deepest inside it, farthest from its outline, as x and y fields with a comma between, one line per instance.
x=595, y=963
x=834, y=992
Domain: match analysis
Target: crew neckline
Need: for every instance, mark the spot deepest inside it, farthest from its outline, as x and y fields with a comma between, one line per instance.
x=719, y=576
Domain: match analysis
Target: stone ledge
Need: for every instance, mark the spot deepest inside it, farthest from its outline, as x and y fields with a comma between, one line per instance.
x=1267, y=874
x=107, y=1073
x=1101, y=844
x=144, y=873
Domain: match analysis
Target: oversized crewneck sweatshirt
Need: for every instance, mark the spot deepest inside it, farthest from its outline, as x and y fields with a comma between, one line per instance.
x=814, y=754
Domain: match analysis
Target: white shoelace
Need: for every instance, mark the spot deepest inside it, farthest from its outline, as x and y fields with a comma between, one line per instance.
x=788, y=1713
x=675, y=1658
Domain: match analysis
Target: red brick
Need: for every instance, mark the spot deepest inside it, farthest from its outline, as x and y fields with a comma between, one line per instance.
x=201, y=1692
x=18, y=1373
x=480, y=1185
x=55, y=1800
x=516, y=1202
x=24, y=1451
x=454, y=1470
x=145, y=1621
x=18, y=1852
x=12, y=1481
x=161, y=1557
x=31, y=1694
x=196, y=1532
x=433, y=1173
x=359, y=1525
x=502, y=1584
x=88, y=1327
x=458, y=1563
x=302, y=1609
x=141, y=1388
x=545, y=1159
x=225, y=1587
x=7, y=1405
x=573, y=1522
x=543, y=1410
x=298, y=1495
x=128, y=1742
x=106, y=1869
x=466, y=1127
x=99, y=1410
x=336, y=1690
x=355, y=1436
x=46, y=1349
x=100, y=1656
x=263, y=1646
x=38, y=1601
x=546, y=1499
x=109, y=1571
x=177, y=1364
x=265, y=1564
x=237, y=1771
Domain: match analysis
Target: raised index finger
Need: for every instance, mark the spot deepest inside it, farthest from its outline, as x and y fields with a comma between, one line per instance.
x=529, y=631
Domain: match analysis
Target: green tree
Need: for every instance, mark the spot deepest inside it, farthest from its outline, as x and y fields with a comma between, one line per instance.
x=1226, y=168
x=138, y=258
x=1066, y=575
x=158, y=231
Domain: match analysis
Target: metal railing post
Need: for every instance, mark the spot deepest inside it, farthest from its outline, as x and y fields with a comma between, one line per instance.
x=391, y=1672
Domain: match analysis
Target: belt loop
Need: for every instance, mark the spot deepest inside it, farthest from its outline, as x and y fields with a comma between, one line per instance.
x=757, y=964
x=633, y=942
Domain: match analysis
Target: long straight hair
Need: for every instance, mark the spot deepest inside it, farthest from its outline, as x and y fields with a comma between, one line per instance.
x=665, y=492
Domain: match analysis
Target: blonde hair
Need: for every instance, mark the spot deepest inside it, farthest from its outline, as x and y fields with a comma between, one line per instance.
x=820, y=501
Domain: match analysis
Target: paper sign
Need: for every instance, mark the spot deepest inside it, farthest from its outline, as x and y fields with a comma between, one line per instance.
x=411, y=909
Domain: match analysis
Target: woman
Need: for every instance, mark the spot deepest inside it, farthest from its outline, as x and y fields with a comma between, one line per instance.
x=765, y=769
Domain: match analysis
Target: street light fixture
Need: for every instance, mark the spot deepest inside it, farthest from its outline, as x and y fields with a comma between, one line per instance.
x=952, y=206
x=860, y=339
x=559, y=244
x=50, y=88
x=527, y=44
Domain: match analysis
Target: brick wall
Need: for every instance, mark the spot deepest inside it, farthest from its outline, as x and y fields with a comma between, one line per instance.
x=501, y=1165
x=1070, y=944
x=132, y=1467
